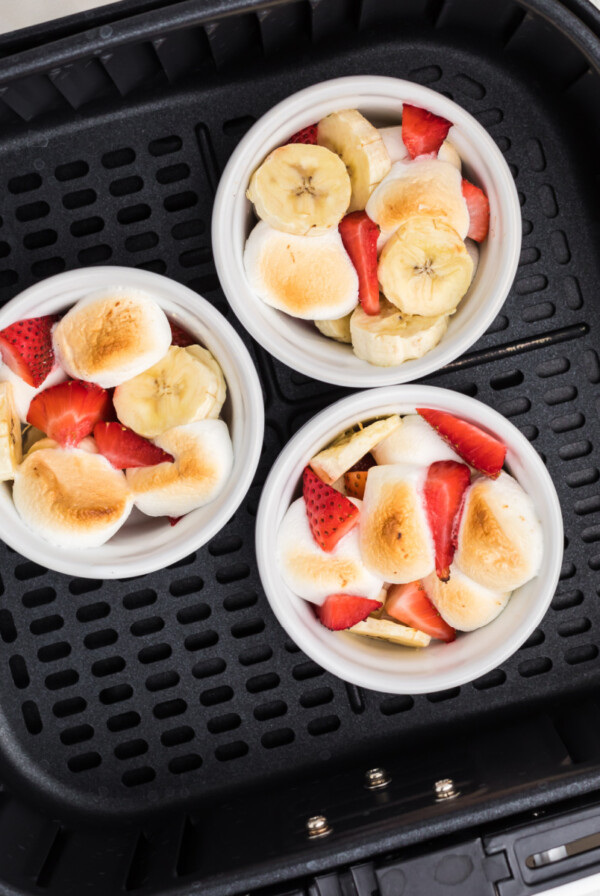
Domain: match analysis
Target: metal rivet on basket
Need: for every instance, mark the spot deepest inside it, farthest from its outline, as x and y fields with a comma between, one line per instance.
x=445, y=790
x=318, y=826
x=376, y=779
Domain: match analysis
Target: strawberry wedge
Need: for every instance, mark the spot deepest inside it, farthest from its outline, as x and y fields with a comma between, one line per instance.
x=124, y=448
x=410, y=605
x=423, y=132
x=476, y=447
x=330, y=514
x=68, y=412
x=180, y=337
x=305, y=135
x=479, y=211
x=359, y=236
x=341, y=611
x=445, y=486
x=26, y=348
x=355, y=482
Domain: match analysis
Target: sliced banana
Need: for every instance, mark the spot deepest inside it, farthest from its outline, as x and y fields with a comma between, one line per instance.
x=308, y=277
x=301, y=189
x=394, y=632
x=332, y=462
x=425, y=268
x=391, y=337
x=361, y=149
x=10, y=434
x=449, y=153
x=423, y=187
x=183, y=387
x=392, y=137
x=336, y=329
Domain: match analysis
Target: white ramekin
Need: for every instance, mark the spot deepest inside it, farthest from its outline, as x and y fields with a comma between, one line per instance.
x=379, y=665
x=298, y=343
x=145, y=543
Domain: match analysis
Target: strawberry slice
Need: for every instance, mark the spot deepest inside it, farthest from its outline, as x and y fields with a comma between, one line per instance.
x=359, y=236
x=423, y=132
x=181, y=337
x=340, y=611
x=68, y=412
x=478, y=448
x=305, y=135
x=173, y=520
x=355, y=483
x=410, y=605
x=125, y=448
x=445, y=486
x=26, y=348
x=479, y=211
x=330, y=514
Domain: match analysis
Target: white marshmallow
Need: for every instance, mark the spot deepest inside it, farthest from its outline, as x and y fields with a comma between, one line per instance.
x=310, y=277
x=413, y=442
x=203, y=456
x=112, y=336
x=23, y=392
x=314, y=574
x=71, y=497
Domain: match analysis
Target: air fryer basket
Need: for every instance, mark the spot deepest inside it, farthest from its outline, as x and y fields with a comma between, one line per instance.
x=163, y=735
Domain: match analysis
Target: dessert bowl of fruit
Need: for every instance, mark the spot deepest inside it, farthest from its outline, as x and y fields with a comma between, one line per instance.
x=409, y=539
x=366, y=231
x=131, y=422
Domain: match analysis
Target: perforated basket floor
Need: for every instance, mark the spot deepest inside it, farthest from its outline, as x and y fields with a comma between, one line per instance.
x=146, y=694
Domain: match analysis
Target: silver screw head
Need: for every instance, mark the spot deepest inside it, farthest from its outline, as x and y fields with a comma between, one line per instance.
x=445, y=790
x=318, y=826
x=376, y=779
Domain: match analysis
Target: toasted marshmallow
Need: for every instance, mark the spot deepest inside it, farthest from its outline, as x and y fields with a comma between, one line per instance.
x=310, y=277
x=71, y=497
x=461, y=602
x=419, y=188
x=500, y=542
x=395, y=540
x=312, y=573
x=203, y=460
x=413, y=442
x=23, y=393
x=112, y=336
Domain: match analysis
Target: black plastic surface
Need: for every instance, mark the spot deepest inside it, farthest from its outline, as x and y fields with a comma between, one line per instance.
x=130, y=700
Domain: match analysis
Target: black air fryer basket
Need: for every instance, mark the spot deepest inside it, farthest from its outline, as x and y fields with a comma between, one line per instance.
x=163, y=735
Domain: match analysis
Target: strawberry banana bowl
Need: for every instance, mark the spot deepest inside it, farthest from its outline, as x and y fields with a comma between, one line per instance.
x=418, y=539
x=130, y=422
x=377, y=235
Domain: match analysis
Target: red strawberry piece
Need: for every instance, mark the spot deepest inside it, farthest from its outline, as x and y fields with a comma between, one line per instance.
x=355, y=483
x=340, y=611
x=423, y=132
x=445, y=486
x=359, y=236
x=68, y=412
x=410, y=605
x=305, y=135
x=26, y=348
x=173, y=520
x=365, y=463
x=479, y=211
x=125, y=448
x=330, y=514
x=181, y=337
x=478, y=448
